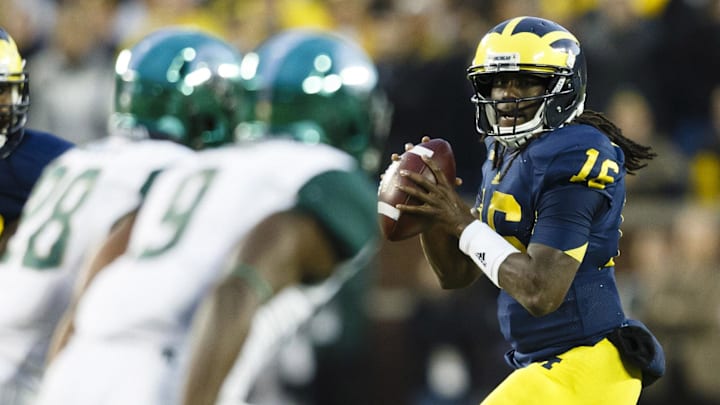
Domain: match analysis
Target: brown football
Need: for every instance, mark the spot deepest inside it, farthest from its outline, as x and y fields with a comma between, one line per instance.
x=395, y=225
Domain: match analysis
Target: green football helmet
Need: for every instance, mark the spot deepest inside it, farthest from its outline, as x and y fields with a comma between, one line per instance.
x=317, y=87
x=179, y=84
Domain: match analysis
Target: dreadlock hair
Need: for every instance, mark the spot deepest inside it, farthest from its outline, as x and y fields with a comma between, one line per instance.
x=634, y=152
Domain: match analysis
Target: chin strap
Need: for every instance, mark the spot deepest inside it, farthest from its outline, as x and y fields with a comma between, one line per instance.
x=518, y=135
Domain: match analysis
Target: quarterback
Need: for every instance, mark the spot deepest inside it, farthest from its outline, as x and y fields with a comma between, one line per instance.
x=545, y=225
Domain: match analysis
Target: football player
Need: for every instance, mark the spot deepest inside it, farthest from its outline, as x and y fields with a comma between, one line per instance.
x=24, y=152
x=176, y=88
x=260, y=216
x=545, y=225
x=316, y=88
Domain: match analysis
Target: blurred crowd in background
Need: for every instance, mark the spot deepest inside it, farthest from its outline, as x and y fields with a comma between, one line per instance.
x=653, y=68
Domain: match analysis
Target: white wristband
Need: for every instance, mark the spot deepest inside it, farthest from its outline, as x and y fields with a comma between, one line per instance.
x=486, y=248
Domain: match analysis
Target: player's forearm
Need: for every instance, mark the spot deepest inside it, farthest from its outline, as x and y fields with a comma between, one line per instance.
x=61, y=336
x=221, y=328
x=452, y=267
x=205, y=377
x=538, y=279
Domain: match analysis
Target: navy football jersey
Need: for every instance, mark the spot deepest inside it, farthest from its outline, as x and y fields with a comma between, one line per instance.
x=21, y=169
x=565, y=190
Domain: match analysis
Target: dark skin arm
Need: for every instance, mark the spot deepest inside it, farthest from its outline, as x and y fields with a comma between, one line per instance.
x=452, y=267
x=112, y=247
x=283, y=250
x=538, y=279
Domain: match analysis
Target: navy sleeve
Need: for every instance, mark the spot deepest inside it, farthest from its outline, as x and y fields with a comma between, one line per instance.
x=579, y=178
x=20, y=171
x=565, y=216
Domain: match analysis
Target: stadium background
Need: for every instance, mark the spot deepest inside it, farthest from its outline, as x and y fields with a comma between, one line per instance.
x=653, y=67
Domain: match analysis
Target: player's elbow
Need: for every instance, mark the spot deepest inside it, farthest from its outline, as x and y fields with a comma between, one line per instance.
x=541, y=304
x=538, y=296
x=540, y=309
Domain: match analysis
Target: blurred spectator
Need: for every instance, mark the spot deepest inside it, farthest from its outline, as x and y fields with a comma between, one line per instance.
x=410, y=61
x=148, y=15
x=354, y=18
x=29, y=23
x=506, y=9
x=654, y=66
x=304, y=13
x=72, y=78
x=565, y=12
x=705, y=174
x=667, y=174
x=456, y=343
x=686, y=67
x=618, y=44
x=391, y=304
x=246, y=23
x=429, y=346
x=682, y=305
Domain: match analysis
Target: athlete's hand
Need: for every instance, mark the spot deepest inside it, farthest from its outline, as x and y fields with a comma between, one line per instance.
x=396, y=156
x=440, y=201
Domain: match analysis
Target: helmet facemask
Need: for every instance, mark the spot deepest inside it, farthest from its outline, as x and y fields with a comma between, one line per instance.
x=14, y=102
x=14, y=95
x=528, y=46
x=548, y=105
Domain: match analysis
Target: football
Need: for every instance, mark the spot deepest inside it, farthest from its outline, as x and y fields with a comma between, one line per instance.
x=395, y=225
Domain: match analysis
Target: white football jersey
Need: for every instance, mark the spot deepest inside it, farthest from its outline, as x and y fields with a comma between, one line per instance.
x=191, y=222
x=71, y=209
x=194, y=216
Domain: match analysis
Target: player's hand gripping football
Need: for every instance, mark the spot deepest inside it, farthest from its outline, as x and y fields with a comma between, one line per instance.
x=440, y=202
